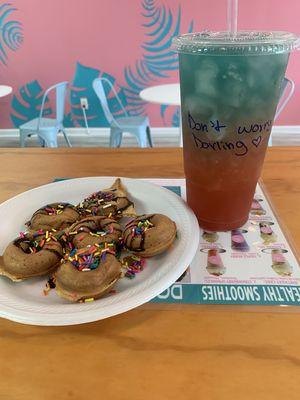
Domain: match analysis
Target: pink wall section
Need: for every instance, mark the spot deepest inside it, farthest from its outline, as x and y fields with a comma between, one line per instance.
x=107, y=34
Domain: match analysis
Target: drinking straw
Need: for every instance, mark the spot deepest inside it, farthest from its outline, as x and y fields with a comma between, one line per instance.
x=232, y=16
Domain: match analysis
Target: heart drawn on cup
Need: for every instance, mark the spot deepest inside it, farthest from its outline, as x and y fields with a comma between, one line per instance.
x=256, y=142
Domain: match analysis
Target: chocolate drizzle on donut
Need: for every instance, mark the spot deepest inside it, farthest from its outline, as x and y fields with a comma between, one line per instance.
x=51, y=209
x=27, y=244
x=103, y=204
x=94, y=227
x=23, y=243
x=130, y=233
x=129, y=203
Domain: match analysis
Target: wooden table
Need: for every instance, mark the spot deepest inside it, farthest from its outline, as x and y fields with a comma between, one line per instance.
x=190, y=352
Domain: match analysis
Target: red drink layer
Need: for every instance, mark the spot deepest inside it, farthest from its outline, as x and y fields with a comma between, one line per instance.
x=220, y=187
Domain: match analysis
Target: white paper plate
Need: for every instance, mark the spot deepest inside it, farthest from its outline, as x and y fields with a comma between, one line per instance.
x=24, y=302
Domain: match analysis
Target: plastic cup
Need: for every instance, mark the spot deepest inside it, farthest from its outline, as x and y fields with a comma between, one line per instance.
x=230, y=87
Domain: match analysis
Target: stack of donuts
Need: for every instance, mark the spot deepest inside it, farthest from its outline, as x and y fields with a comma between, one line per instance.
x=80, y=246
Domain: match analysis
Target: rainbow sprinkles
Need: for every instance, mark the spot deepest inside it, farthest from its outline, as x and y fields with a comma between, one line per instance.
x=88, y=259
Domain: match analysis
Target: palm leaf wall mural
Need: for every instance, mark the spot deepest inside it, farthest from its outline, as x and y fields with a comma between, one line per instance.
x=158, y=60
x=26, y=104
x=11, y=31
x=82, y=87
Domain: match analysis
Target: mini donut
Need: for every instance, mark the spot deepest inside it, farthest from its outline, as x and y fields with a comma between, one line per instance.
x=87, y=275
x=31, y=255
x=91, y=230
x=149, y=235
x=53, y=216
x=111, y=202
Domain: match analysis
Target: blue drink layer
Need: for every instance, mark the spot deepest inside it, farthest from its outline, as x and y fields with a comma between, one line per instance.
x=229, y=94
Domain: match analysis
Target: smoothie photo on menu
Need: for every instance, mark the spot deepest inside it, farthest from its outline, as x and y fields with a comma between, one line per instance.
x=279, y=263
x=215, y=264
x=238, y=241
x=210, y=237
x=266, y=232
x=256, y=208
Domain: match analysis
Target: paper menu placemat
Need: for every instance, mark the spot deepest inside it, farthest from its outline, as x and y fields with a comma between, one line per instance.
x=251, y=265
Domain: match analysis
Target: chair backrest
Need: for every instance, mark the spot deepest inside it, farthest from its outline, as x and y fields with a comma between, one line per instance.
x=60, y=100
x=287, y=90
x=98, y=85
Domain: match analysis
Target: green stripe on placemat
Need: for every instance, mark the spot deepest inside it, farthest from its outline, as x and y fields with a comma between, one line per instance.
x=230, y=294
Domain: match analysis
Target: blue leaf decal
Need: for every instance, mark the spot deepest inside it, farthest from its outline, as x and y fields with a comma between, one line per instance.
x=82, y=87
x=191, y=26
x=12, y=35
x=156, y=17
x=176, y=117
x=163, y=109
x=26, y=104
x=68, y=123
x=161, y=25
x=170, y=115
x=11, y=32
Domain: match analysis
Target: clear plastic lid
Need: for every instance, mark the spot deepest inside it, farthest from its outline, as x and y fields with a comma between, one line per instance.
x=243, y=42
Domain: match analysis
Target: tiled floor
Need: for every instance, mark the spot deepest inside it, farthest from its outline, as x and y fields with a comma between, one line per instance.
x=32, y=142
x=159, y=141
x=94, y=140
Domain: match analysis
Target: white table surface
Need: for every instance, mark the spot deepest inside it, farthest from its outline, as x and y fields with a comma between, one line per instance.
x=162, y=94
x=5, y=90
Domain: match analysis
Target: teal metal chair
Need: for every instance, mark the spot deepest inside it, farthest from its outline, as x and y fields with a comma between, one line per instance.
x=47, y=129
x=137, y=126
x=286, y=92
